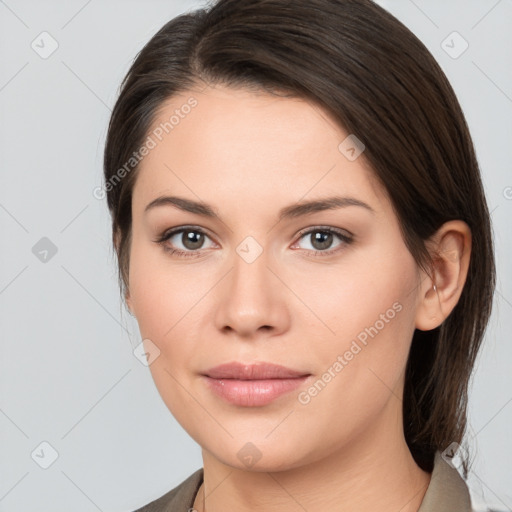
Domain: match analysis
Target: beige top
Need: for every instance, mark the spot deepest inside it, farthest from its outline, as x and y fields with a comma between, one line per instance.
x=447, y=492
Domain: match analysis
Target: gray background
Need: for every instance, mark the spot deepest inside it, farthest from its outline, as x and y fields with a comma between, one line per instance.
x=68, y=375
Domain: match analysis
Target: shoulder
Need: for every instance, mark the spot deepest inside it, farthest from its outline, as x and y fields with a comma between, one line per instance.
x=180, y=498
x=447, y=491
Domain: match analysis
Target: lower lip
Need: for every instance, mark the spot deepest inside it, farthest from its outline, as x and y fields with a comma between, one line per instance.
x=253, y=393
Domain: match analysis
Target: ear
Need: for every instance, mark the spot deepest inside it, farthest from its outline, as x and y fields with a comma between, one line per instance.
x=450, y=248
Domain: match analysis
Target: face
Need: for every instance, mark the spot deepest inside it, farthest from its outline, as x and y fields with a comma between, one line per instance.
x=329, y=290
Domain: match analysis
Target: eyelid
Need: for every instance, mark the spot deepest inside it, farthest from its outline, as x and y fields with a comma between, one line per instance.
x=178, y=229
x=316, y=227
x=180, y=253
x=346, y=237
x=172, y=231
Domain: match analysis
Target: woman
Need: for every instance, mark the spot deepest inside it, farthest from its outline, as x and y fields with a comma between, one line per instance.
x=303, y=237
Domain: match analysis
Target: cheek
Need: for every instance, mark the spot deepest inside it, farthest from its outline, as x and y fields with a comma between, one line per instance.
x=369, y=312
x=163, y=294
x=366, y=289
x=360, y=370
x=163, y=302
x=169, y=302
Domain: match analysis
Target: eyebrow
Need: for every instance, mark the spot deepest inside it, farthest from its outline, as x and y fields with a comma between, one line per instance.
x=288, y=212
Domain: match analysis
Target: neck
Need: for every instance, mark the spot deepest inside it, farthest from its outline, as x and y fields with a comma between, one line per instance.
x=374, y=472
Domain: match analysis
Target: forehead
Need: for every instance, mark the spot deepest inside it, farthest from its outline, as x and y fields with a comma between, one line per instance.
x=234, y=141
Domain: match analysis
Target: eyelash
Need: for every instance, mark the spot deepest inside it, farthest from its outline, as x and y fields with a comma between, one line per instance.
x=164, y=237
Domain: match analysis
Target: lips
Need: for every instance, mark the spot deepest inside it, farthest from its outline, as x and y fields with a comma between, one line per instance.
x=259, y=371
x=253, y=385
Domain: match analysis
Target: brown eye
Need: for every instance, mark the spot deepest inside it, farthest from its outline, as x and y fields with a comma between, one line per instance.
x=192, y=240
x=184, y=241
x=322, y=239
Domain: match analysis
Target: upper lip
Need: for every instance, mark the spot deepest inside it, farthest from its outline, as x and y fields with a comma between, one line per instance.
x=258, y=371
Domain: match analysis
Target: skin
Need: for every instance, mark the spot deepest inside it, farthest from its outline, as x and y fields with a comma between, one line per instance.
x=248, y=155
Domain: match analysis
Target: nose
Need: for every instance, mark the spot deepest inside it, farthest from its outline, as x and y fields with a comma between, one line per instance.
x=251, y=300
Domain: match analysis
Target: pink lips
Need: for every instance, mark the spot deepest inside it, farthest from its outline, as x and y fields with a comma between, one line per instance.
x=252, y=385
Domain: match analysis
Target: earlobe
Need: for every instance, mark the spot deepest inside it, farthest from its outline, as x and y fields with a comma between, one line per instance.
x=450, y=249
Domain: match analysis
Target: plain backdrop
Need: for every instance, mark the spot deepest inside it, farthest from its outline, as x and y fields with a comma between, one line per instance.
x=82, y=426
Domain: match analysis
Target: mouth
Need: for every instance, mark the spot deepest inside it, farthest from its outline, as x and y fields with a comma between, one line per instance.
x=259, y=371
x=252, y=385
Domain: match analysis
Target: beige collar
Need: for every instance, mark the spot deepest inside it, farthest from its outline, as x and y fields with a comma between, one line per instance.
x=447, y=491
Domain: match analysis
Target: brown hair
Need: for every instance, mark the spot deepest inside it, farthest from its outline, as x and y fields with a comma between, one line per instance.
x=380, y=82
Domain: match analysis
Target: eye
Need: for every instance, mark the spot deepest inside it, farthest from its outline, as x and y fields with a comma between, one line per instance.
x=190, y=238
x=322, y=238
